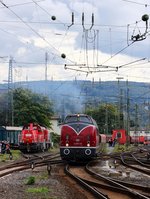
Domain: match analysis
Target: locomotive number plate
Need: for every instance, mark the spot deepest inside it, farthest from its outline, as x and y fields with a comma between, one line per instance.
x=28, y=135
x=77, y=140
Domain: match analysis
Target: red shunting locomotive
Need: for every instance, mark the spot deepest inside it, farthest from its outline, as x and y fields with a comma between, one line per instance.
x=35, y=138
x=79, y=138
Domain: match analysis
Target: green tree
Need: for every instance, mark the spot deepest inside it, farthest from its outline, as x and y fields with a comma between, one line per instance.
x=106, y=117
x=31, y=107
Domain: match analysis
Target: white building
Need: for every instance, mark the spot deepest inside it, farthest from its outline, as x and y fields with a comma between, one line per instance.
x=55, y=127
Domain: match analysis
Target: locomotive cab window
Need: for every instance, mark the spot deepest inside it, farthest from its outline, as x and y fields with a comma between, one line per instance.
x=78, y=118
x=118, y=135
x=85, y=119
x=70, y=119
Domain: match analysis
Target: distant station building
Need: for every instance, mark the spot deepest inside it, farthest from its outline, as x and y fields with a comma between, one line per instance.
x=55, y=126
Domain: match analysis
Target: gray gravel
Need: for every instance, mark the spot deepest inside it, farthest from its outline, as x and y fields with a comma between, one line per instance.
x=14, y=186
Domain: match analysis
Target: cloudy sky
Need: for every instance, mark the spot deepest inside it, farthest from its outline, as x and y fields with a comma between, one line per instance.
x=68, y=39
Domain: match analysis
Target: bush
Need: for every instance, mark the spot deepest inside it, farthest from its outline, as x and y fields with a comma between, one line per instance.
x=31, y=180
x=55, y=139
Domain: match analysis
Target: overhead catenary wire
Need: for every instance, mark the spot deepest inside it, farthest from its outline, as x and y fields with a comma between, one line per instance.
x=111, y=55
x=115, y=68
x=27, y=24
x=45, y=10
x=33, y=30
x=67, y=27
x=135, y=2
x=22, y=4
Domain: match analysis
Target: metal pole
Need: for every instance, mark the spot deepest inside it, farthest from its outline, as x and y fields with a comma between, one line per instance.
x=10, y=92
x=136, y=122
x=106, y=119
x=119, y=100
x=46, y=59
x=128, y=114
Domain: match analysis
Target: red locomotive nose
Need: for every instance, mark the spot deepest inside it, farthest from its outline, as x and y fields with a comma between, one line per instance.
x=28, y=137
x=79, y=138
x=34, y=138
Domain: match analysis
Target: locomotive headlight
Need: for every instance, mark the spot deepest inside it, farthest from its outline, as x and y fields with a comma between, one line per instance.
x=67, y=144
x=88, y=144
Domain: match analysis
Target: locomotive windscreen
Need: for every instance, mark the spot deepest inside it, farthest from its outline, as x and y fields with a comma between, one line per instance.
x=78, y=118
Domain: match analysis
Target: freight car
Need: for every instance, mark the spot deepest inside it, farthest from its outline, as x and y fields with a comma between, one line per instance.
x=10, y=134
x=80, y=138
x=34, y=138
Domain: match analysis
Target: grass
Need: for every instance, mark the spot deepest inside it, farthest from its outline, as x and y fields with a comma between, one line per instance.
x=122, y=148
x=5, y=157
x=43, y=190
x=43, y=176
x=104, y=147
x=54, y=149
x=16, y=154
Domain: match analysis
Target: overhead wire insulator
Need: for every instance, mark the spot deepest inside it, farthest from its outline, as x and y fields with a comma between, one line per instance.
x=145, y=18
x=82, y=19
x=72, y=21
x=92, y=20
x=91, y=24
x=140, y=37
x=53, y=18
x=72, y=18
x=63, y=55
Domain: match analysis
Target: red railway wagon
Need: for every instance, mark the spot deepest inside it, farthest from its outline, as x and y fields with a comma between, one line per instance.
x=79, y=138
x=137, y=139
x=141, y=137
x=34, y=137
x=102, y=138
x=120, y=136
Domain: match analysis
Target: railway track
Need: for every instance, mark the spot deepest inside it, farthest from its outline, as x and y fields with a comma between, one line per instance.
x=142, y=169
x=141, y=161
x=99, y=185
x=105, y=187
x=131, y=189
x=31, y=164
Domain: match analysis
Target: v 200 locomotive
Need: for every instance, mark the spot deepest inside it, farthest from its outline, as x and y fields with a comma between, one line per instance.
x=79, y=138
x=34, y=137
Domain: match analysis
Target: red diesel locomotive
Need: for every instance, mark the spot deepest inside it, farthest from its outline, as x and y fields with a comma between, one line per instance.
x=79, y=138
x=35, y=138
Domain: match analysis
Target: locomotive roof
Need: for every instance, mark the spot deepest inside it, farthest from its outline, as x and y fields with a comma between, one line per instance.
x=13, y=128
x=79, y=117
x=79, y=114
x=32, y=125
